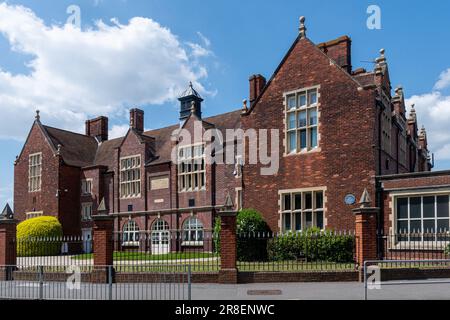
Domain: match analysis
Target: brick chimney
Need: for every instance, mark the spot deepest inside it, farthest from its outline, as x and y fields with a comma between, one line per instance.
x=98, y=128
x=340, y=51
x=257, y=84
x=137, y=120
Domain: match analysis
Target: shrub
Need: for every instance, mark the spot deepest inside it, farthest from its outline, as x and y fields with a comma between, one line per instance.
x=39, y=236
x=312, y=245
x=252, y=237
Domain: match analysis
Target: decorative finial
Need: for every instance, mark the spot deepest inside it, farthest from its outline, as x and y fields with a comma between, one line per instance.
x=365, y=200
x=102, y=207
x=302, y=28
x=423, y=132
x=382, y=51
x=58, y=151
x=244, y=105
x=229, y=205
x=17, y=160
x=38, y=116
x=399, y=90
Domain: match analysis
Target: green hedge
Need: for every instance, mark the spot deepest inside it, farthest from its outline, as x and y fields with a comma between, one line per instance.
x=39, y=236
x=252, y=236
x=312, y=245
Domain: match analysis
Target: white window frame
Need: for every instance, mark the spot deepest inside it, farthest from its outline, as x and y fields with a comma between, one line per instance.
x=188, y=227
x=130, y=184
x=292, y=212
x=86, y=186
x=191, y=180
x=399, y=243
x=308, y=128
x=86, y=211
x=35, y=172
x=130, y=230
x=33, y=214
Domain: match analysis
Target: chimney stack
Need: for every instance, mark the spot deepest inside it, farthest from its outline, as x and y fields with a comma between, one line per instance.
x=98, y=128
x=257, y=84
x=137, y=120
x=340, y=50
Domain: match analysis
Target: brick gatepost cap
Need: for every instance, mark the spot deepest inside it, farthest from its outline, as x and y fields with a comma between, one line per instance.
x=228, y=208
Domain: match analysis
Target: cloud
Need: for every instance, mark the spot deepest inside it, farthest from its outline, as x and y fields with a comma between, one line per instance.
x=6, y=196
x=433, y=111
x=444, y=80
x=101, y=70
x=118, y=131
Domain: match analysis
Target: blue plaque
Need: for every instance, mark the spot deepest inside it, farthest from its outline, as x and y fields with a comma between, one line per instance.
x=350, y=199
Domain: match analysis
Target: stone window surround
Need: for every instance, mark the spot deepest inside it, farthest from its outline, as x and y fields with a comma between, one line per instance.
x=83, y=206
x=30, y=178
x=34, y=214
x=393, y=195
x=302, y=190
x=140, y=177
x=199, y=173
x=87, y=180
x=285, y=122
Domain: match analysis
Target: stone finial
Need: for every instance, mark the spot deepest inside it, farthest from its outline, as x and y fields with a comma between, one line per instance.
x=58, y=151
x=102, y=207
x=412, y=113
x=302, y=29
x=7, y=213
x=229, y=205
x=423, y=132
x=399, y=90
x=38, y=116
x=365, y=200
x=244, y=105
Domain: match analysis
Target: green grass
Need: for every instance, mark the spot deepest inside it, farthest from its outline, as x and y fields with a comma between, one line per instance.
x=142, y=256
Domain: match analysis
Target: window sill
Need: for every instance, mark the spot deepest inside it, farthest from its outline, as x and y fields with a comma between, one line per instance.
x=193, y=190
x=192, y=244
x=303, y=152
x=131, y=197
x=130, y=244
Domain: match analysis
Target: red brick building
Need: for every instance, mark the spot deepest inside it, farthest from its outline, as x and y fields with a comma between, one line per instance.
x=339, y=129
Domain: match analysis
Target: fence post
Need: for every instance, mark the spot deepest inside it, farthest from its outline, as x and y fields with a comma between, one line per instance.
x=365, y=232
x=103, y=247
x=228, y=273
x=8, y=246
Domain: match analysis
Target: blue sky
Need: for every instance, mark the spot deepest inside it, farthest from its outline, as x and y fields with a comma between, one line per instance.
x=219, y=44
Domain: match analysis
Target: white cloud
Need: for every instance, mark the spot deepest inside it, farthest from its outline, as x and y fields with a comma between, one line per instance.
x=118, y=131
x=433, y=111
x=75, y=74
x=6, y=196
x=444, y=80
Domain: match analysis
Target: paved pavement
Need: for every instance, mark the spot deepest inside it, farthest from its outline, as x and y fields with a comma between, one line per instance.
x=274, y=291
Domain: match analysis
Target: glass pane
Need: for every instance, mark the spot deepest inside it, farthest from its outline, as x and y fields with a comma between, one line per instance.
x=303, y=139
x=291, y=120
x=308, y=200
x=442, y=225
x=287, y=221
x=292, y=141
x=312, y=115
x=429, y=226
x=414, y=207
x=319, y=200
x=302, y=119
x=291, y=102
x=442, y=206
x=428, y=207
x=415, y=226
x=313, y=97
x=287, y=202
x=298, y=202
x=313, y=138
x=402, y=208
x=298, y=221
x=319, y=217
x=402, y=226
x=308, y=220
x=302, y=100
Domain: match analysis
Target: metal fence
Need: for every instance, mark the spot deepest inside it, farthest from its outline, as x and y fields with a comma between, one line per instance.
x=417, y=246
x=199, y=249
x=297, y=252
x=168, y=282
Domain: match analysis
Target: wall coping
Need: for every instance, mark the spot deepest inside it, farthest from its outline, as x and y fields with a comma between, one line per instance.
x=414, y=175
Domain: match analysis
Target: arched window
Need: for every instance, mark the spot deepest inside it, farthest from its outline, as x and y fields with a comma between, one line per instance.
x=130, y=234
x=193, y=232
x=160, y=225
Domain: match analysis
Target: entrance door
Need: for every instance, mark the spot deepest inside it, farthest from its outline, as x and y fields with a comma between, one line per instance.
x=160, y=237
x=87, y=240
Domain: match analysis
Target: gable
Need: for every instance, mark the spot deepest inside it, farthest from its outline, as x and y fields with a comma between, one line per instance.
x=36, y=141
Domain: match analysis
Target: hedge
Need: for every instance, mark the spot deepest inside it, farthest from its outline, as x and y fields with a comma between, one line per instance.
x=39, y=236
x=312, y=245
